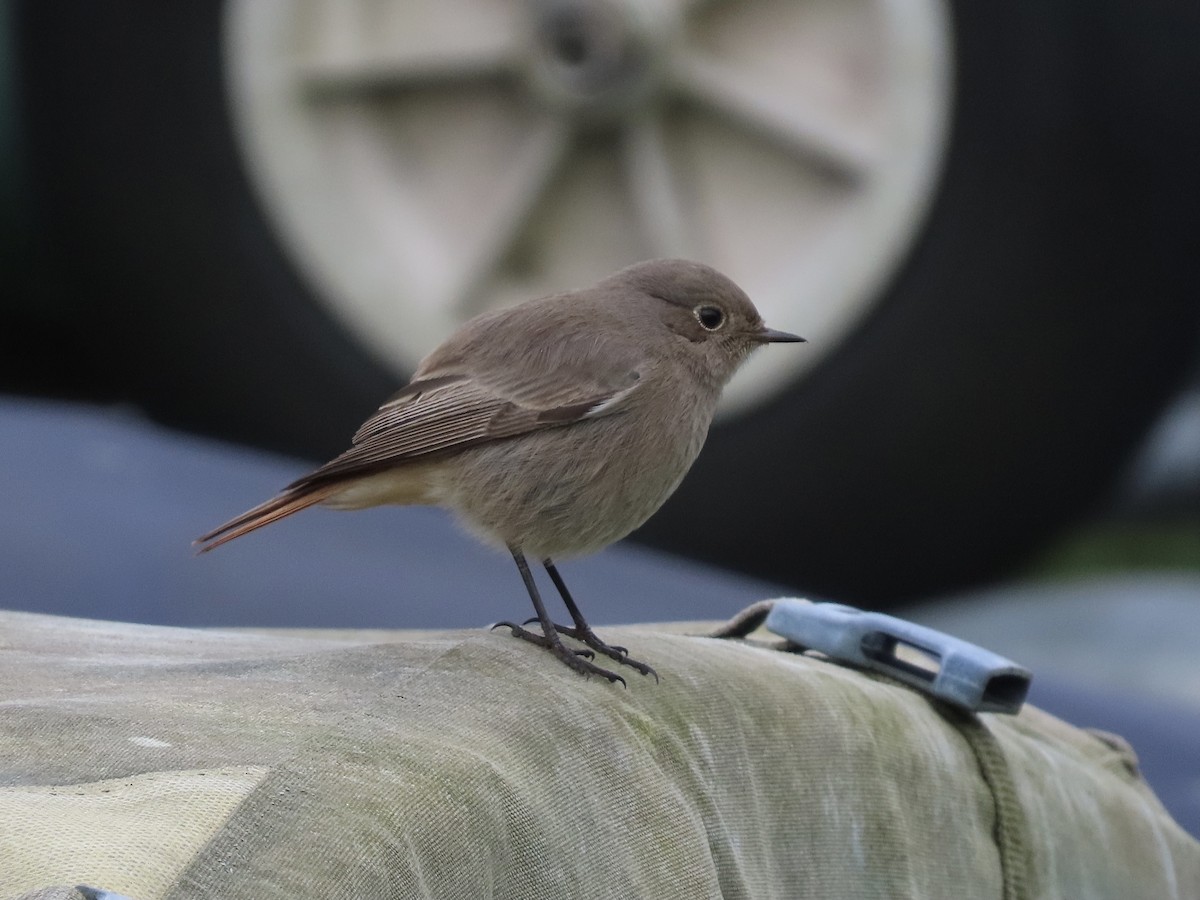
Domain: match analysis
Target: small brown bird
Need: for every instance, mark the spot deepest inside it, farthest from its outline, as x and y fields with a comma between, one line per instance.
x=552, y=428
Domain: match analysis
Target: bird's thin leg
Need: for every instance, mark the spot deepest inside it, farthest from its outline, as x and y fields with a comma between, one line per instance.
x=549, y=637
x=582, y=631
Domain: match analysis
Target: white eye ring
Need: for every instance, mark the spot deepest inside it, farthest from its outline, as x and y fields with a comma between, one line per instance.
x=710, y=317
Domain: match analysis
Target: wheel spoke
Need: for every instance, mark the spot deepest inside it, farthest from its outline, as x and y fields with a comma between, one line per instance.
x=694, y=7
x=501, y=225
x=798, y=128
x=336, y=78
x=655, y=188
x=361, y=49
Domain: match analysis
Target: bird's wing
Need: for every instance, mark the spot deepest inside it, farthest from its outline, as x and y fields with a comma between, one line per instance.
x=449, y=411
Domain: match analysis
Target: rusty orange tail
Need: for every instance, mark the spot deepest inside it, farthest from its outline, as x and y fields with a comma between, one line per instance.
x=280, y=507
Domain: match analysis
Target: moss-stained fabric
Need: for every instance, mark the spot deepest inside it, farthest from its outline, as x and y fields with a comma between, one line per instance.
x=173, y=763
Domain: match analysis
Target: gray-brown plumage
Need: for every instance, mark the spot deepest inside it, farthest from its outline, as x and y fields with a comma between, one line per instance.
x=552, y=428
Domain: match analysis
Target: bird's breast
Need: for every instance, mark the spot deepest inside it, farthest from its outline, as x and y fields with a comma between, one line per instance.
x=573, y=490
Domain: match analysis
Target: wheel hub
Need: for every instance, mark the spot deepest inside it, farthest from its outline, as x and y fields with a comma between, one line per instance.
x=598, y=60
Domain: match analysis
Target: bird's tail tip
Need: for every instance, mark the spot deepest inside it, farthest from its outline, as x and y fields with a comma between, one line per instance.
x=273, y=510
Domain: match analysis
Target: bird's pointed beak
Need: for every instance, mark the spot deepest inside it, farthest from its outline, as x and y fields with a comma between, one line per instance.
x=771, y=336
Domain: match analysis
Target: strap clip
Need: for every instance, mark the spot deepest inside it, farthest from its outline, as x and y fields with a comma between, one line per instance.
x=956, y=671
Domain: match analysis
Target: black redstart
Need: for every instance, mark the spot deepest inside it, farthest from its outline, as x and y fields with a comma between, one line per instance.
x=552, y=428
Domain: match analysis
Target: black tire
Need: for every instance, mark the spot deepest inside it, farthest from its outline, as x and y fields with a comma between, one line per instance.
x=1041, y=320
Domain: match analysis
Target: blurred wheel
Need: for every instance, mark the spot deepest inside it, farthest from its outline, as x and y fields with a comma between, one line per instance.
x=423, y=161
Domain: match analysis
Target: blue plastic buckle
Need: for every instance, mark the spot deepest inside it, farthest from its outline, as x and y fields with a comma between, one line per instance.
x=953, y=670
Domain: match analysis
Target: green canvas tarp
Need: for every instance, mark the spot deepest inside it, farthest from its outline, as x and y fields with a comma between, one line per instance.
x=174, y=763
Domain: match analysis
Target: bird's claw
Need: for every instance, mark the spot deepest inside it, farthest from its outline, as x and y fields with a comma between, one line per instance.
x=579, y=660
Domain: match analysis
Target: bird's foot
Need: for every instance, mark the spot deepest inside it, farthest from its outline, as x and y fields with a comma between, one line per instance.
x=589, y=638
x=579, y=660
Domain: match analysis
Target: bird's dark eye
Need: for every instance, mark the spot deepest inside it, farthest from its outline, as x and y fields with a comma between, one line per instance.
x=710, y=317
